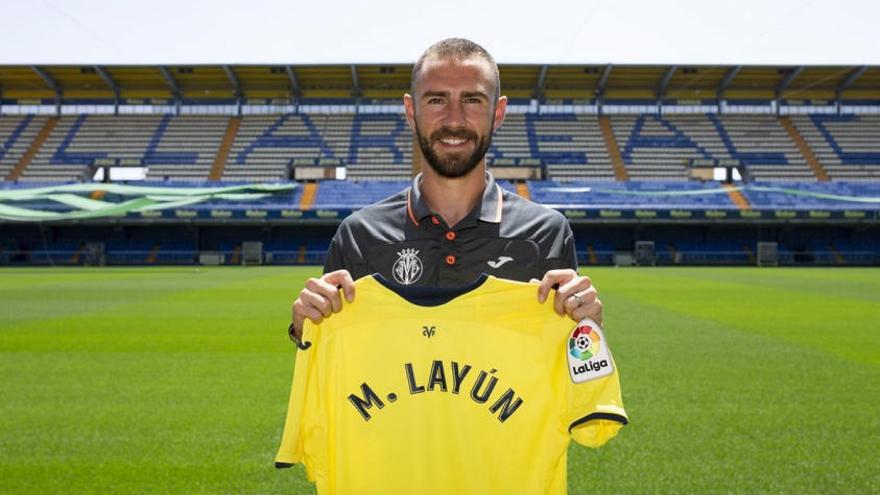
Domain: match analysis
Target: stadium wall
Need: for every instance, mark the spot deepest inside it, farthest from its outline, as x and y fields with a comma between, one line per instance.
x=597, y=244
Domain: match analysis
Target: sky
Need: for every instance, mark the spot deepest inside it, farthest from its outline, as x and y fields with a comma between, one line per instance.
x=125, y=32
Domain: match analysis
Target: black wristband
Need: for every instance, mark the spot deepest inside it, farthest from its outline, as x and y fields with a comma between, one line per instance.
x=291, y=332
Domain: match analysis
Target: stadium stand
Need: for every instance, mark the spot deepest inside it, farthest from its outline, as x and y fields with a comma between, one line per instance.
x=347, y=194
x=173, y=148
x=184, y=147
x=378, y=146
x=222, y=155
x=77, y=142
x=848, y=146
x=569, y=145
x=763, y=146
x=267, y=146
x=658, y=148
x=615, y=153
x=16, y=136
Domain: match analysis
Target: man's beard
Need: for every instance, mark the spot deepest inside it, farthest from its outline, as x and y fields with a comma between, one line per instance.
x=453, y=167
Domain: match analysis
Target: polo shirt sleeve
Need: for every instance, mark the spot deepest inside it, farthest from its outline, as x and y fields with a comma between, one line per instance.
x=569, y=255
x=344, y=251
x=335, y=258
x=562, y=252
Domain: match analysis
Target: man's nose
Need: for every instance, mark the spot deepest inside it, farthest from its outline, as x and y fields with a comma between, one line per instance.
x=454, y=116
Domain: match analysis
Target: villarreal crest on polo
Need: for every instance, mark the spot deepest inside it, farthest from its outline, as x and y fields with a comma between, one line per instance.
x=433, y=391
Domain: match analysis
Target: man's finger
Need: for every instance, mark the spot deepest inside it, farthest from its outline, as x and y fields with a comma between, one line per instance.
x=341, y=279
x=327, y=290
x=314, y=300
x=579, y=300
x=564, y=300
x=571, y=303
x=313, y=314
x=563, y=295
x=559, y=302
x=592, y=311
x=551, y=278
x=301, y=311
x=298, y=318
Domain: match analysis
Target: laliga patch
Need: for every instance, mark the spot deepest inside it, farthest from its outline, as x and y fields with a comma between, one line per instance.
x=588, y=354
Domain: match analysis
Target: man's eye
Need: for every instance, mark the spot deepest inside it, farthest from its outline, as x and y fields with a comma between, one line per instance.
x=435, y=101
x=473, y=100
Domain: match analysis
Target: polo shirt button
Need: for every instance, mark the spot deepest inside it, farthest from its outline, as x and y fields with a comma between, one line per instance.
x=435, y=221
x=450, y=260
x=450, y=235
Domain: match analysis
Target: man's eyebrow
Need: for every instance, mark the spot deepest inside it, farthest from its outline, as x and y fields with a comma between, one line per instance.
x=445, y=94
x=471, y=94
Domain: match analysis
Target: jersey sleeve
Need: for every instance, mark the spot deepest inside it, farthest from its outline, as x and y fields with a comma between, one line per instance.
x=594, y=408
x=300, y=408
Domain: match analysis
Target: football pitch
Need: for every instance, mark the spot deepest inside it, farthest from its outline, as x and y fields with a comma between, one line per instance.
x=176, y=380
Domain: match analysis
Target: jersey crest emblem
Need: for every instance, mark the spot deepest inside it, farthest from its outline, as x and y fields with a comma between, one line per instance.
x=407, y=270
x=587, y=351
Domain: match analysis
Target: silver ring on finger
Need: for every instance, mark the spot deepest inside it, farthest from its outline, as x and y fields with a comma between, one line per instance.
x=578, y=300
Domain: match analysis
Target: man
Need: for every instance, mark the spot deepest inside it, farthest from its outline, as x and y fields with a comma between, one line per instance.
x=454, y=223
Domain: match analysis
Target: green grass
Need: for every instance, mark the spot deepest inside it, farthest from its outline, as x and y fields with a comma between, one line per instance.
x=175, y=380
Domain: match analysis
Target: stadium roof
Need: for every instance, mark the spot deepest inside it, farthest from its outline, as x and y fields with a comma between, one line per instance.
x=388, y=82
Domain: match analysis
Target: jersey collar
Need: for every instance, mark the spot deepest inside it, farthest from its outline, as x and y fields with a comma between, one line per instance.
x=489, y=208
x=430, y=296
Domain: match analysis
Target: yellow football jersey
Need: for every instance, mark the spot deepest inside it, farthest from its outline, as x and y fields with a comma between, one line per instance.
x=448, y=391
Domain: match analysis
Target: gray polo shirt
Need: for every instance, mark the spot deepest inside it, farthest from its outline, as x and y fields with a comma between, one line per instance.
x=403, y=240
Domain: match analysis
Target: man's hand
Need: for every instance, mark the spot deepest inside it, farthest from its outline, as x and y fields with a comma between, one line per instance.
x=575, y=297
x=320, y=298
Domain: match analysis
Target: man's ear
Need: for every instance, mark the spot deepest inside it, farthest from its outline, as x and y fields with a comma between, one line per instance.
x=500, y=112
x=409, y=106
